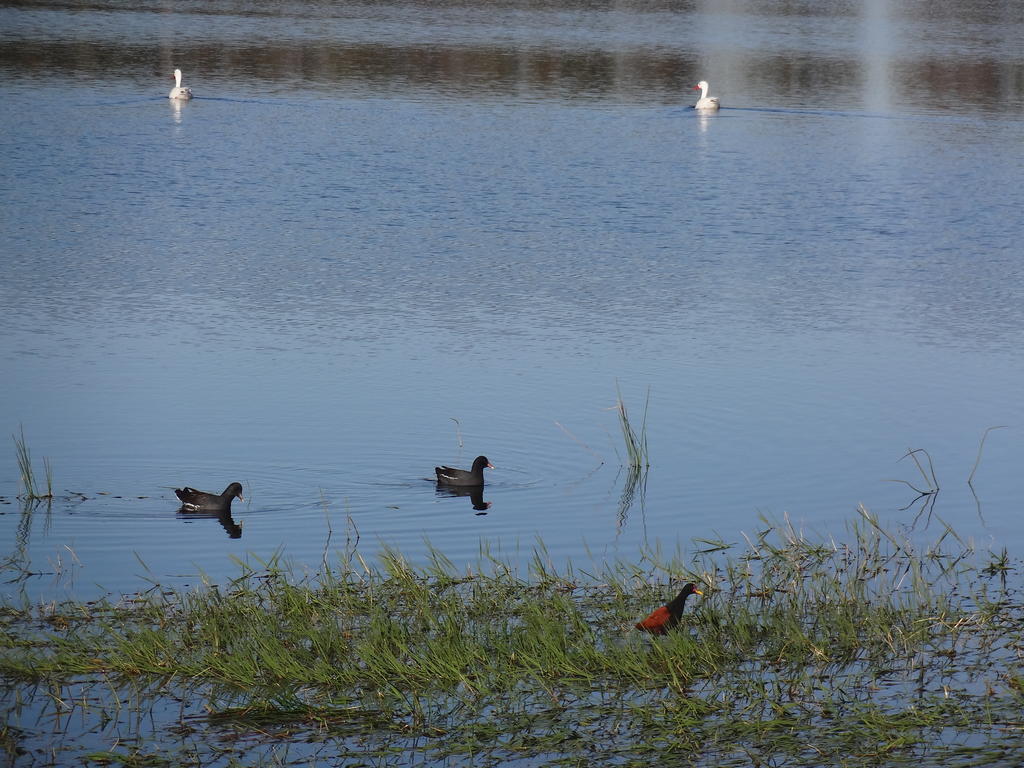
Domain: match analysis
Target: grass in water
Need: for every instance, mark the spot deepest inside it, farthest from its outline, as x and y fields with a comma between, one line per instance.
x=636, y=440
x=803, y=652
x=28, y=479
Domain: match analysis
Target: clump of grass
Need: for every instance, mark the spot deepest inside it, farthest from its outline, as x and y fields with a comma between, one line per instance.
x=636, y=440
x=546, y=664
x=28, y=478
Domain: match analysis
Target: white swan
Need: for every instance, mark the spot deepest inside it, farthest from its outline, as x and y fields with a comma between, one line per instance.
x=705, y=101
x=177, y=92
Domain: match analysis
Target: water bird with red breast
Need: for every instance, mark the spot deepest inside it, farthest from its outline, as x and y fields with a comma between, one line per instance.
x=666, y=617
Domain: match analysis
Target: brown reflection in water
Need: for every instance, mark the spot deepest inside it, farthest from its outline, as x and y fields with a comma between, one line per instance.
x=799, y=78
x=868, y=65
x=458, y=70
x=942, y=84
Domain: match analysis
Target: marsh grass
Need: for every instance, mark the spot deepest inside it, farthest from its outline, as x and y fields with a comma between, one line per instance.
x=981, y=447
x=804, y=651
x=635, y=439
x=27, y=473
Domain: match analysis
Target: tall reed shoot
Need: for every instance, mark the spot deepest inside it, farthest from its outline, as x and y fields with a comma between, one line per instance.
x=636, y=441
x=28, y=478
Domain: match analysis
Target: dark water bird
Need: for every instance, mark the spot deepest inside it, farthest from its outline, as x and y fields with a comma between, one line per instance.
x=474, y=476
x=667, y=616
x=191, y=499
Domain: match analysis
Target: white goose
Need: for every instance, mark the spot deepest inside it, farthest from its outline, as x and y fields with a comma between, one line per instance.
x=705, y=101
x=177, y=92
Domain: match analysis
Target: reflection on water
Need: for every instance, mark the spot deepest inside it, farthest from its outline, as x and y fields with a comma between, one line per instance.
x=233, y=529
x=634, y=491
x=475, y=493
x=177, y=107
x=864, y=55
x=29, y=509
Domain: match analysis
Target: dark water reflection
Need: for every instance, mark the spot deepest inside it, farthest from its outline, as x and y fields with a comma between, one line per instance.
x=474, y=493
x=227, y=522
x=839, y=54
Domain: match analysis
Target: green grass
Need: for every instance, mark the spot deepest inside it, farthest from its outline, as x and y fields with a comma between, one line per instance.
x=635, y=439
x=869, y=651
x=27, y=473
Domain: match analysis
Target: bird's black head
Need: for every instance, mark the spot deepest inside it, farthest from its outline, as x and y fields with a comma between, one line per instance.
x=480, y=462
x=675, y=607
x=234, y=491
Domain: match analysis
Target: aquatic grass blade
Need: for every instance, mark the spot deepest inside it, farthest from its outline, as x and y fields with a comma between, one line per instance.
x=26, y=472
x=24, y=464
x=636, y=441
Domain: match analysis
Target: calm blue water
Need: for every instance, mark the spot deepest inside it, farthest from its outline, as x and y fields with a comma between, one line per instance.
x=375, y=220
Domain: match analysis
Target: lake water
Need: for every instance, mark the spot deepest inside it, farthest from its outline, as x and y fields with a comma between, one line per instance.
x=386, y=236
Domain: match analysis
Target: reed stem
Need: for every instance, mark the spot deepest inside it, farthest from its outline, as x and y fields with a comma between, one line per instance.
x=636, y=440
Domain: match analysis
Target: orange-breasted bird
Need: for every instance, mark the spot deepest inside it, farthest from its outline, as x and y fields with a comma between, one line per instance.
x=667, y=616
